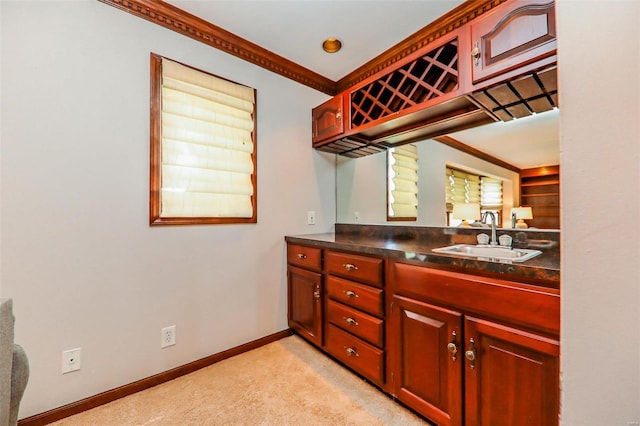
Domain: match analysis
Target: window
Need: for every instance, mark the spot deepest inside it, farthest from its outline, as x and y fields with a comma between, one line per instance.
x=203, y=147
x=402, y=183
x=465, y=187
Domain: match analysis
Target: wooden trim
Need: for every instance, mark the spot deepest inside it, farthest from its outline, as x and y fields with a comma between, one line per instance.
x=182, y=22
x=454, y=143
x=447, y=23
x=149, y=382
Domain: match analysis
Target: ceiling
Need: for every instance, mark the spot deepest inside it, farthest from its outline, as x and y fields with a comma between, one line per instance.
x=295, y=29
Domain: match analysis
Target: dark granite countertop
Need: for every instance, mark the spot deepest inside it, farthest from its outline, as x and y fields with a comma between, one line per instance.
x=415, y=244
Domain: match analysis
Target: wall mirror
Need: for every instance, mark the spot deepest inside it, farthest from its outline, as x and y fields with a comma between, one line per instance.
x=523, y=144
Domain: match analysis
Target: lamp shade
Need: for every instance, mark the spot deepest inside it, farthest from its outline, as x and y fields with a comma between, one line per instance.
x=522, y=212
x=466, y=211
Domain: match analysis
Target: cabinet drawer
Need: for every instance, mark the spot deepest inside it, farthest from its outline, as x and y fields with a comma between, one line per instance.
x=363, y=297
x=512, y=302
x=355, y=353
x=352, y=266
x=355, y=322
x=307, y=257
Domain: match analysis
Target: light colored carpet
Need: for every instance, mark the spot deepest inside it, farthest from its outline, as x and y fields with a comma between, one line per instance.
x=287, y=382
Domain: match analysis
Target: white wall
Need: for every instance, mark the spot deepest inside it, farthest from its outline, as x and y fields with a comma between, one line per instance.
x=79, y=260
x=361, y=184
x=599, y=83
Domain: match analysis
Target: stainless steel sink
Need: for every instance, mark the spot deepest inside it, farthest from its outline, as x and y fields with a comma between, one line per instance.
x=488, y=252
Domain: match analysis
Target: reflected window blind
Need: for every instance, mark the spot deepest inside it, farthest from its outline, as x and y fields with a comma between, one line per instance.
x=403, y=182
x=463, y=187
x=207, y=164
x=491, y=193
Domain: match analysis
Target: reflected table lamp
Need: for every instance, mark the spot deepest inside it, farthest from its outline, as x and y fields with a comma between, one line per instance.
x=466, y=212
x=520, y=214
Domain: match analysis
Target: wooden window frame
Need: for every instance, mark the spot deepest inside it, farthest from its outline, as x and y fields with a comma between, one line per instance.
x=155, y=169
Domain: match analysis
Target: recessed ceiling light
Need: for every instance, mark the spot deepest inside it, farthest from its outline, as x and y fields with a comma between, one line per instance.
x=331, y=45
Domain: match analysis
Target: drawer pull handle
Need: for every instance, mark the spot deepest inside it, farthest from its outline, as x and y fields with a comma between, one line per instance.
x=471, y=353
x=350, y=267
x=302, y=256
x=351, y=321
x=352, y=352
x=453, y=346
x=350, y=293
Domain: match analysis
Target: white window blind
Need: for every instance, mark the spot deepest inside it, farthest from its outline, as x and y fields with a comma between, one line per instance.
x=463, y=187
x=491, y=191
x=403, y=182
x=207, y=146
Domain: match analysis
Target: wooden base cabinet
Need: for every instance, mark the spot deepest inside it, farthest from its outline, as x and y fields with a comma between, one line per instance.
x=456, y=368
x=426, y=374
x=305, y=290
x=305, y=303
x=511, y=376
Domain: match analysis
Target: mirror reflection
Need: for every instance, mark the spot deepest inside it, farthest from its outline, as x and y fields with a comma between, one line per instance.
x=522, y=154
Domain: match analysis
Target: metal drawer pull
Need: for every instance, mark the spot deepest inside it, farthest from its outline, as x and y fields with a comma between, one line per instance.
x=350, y=293
x=453, y=346
x=351, y=321
x=302, y=256
x=471, y=353
x=351, y=352
x=350, y=267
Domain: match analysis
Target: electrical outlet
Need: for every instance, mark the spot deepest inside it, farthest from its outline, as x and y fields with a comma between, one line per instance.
x=311, y=217
x=168, y=336
x=356, y=217
x=71, y=360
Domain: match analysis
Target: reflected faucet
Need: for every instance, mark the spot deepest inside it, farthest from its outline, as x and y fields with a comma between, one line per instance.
x=494, y=239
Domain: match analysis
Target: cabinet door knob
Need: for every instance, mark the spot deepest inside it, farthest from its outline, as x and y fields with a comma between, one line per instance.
x=302, y=256
x=453, y=346
x=471, y=353
x=475, y=54
x=316, y=294
x=350, y=293
x=352, y=352
x=338, y=115
x=350, y=267
x=351, y=321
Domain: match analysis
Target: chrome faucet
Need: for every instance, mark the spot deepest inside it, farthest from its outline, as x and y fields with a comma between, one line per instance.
x=494, y=239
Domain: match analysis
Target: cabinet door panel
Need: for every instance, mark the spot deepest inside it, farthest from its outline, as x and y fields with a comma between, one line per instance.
x=425, y=374
x=327, y=119
x=514, y=379
x=305, y=307
x=513, y=35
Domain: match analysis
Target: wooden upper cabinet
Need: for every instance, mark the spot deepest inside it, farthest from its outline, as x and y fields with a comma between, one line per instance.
x=512, y=36
x=327, y=120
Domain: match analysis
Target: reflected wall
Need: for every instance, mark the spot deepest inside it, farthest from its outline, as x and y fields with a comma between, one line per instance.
x=361, y=185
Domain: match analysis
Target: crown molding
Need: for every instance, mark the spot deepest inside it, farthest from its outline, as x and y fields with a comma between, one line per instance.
x=447, y=23
x=182, y=22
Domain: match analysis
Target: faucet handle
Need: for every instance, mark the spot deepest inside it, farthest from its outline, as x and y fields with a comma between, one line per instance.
x=483, y=239
x=505, y=240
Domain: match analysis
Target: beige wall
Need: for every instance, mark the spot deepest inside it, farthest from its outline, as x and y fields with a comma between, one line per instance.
x=82, y=265
x=599, y=72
